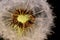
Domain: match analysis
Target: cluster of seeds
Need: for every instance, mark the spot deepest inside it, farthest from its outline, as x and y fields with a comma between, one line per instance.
x=22, y=18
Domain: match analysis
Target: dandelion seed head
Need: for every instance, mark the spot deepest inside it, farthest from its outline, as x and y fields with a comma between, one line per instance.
x=40, y=12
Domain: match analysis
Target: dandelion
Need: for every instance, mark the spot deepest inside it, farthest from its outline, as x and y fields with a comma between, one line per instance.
x=25, y=19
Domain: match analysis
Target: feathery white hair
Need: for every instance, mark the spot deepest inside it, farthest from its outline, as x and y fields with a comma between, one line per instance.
x=42, y=25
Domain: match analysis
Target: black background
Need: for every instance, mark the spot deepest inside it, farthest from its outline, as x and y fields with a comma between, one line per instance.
x=55, y=36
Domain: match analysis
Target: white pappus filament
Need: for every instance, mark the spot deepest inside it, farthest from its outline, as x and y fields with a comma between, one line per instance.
x=43, y=22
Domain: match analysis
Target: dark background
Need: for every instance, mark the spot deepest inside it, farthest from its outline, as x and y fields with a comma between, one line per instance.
x=55, y=36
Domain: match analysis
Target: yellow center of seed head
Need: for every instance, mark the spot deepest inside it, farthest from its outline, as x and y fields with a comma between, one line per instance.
x=23, y=18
